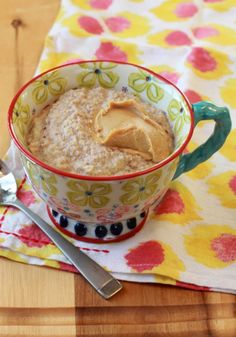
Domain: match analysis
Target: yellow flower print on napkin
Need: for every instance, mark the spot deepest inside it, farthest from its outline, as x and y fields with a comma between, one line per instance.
x=178, y=10
x=229, y=148
x=167, y=72
x=83, y=194
x=219, y=5
x=118, y=51
x=92, y=4
x=140, y=189
x=127, y=25
x=51, y=83
x=98, y=72
x=208, y=63
x=224, y=187
x=202, y=170
x=155, y=257
x=214, y=246
x=21, y=116
x=123, y=25
x=57, y=59
x=227, y=92
x=178, y=206
x=215, y=33
x=170, y=38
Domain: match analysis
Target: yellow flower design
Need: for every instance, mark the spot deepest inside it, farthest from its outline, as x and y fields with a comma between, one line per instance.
x=214, y=246
x=41, y=178
x=202, y=170
x=178, y=115
x=140, y=189
x=33, y=172
x=177, y=10
x=48, y=182
x=229, y=148
x=21, y=116
x=52, y=83
x=83, y=194
x=227, y=92
x=98, y=72
x=224, y=187
x=220, y=6
x=215, y=33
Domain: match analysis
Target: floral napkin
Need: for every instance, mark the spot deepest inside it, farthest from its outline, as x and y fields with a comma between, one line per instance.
x=190, y=238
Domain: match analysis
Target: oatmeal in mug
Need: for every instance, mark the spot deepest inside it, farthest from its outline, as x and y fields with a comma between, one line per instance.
x=100, y=132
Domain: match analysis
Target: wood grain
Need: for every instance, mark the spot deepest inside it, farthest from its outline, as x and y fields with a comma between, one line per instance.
x=41, y=302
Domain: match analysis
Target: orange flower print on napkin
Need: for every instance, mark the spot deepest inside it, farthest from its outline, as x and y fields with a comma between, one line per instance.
x=123, y=25
x=156, y=257
x=208, y=63
x=224, y=187
x=178, y=10
x=178, y=206
x=213, y=246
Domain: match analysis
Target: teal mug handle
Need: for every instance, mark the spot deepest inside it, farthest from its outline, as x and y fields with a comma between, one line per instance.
x=206, y=111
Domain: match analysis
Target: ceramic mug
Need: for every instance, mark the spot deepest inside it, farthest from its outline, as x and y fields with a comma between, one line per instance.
x=107, y=209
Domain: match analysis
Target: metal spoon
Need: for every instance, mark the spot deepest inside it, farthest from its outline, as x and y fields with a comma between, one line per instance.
x=103, y=282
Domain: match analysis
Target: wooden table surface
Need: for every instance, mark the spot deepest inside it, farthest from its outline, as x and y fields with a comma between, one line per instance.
x=36, y=301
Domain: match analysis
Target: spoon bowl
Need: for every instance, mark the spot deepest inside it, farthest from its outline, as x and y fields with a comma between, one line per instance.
x=103, y=282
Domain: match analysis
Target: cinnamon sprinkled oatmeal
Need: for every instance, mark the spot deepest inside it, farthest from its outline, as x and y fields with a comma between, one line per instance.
x=63, y=134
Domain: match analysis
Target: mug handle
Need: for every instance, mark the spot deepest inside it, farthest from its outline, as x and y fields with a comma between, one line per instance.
x=206, y=111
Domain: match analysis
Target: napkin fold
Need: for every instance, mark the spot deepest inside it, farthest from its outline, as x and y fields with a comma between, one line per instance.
x=190, y=238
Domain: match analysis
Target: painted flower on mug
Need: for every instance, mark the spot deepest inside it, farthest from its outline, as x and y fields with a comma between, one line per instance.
x=142, y=81
x=21, y=116
x=178, y=115
x=84, y=194
x=48, y=182
x=98, y=72
x=108, y=215
x=52, y=83
x=140, y=189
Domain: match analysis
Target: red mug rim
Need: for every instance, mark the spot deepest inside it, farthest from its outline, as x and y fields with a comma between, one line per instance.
x=98, y=178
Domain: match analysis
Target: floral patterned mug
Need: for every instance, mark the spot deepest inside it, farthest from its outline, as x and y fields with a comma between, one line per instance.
x=107, y=209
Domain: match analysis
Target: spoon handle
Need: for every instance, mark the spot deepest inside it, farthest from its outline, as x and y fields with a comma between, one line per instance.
x=103, y=282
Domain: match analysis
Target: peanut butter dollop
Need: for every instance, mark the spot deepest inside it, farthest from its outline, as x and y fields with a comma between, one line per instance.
x=125, y=125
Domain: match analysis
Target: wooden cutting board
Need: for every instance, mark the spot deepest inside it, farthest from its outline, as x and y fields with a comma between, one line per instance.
x=36, y=301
